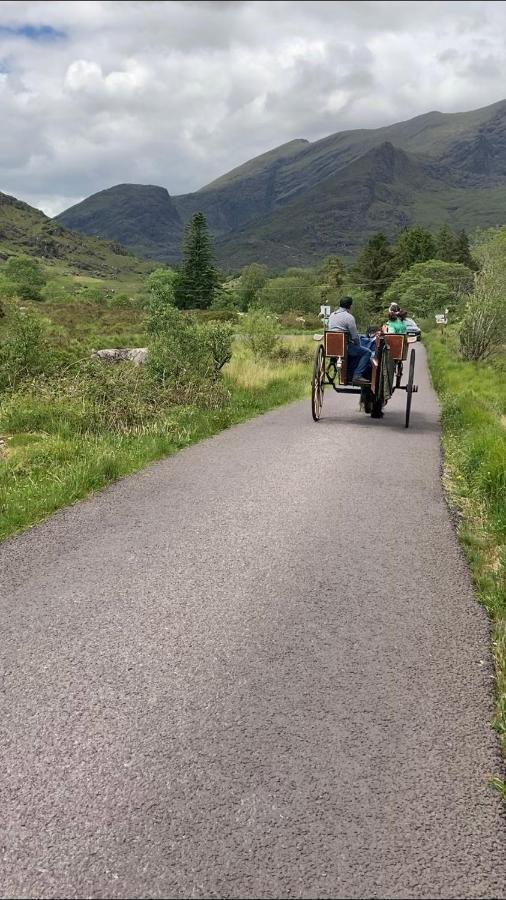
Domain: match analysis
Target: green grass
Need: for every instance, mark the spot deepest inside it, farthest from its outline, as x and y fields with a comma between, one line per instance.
x=58, y=448
x=473, y=401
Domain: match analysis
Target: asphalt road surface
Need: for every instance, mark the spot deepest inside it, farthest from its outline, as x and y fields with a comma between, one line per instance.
x=255, y=669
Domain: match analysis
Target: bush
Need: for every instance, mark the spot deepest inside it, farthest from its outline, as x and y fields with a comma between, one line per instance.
x=261, y=331
x=24, y=352
x=483, y=324
x=121, y=301
x=27, y=276
x=161, y=284
x=291, y=292
x=215, y=338
x=187, y=355
x=253, y=278
x=214, y=315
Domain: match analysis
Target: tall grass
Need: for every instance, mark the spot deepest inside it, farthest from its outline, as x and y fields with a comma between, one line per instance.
x=473, y=401
x=63, y=439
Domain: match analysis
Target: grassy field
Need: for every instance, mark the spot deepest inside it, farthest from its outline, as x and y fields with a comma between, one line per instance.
x=69, y=437
x=473, y=400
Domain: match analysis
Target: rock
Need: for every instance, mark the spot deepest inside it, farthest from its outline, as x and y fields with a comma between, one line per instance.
x=136, y=355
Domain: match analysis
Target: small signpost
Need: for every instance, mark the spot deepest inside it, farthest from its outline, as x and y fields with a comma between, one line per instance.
x=324, y=314
x=442, y=321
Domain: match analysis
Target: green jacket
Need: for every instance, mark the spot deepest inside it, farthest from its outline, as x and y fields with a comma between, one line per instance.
x=396, y=327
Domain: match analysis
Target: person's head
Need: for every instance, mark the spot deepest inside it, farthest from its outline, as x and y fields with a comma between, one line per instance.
x=345, y=302
x=402, y=314
x=394, y=308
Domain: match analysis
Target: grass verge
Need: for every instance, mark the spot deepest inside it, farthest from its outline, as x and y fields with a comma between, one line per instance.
x=53, y=453
x=473, y=402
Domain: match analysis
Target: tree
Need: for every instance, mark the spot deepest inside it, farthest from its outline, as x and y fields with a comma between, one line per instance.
x=374, y=269
x=414, y=245
x=291, y=293
x=26, y=275
x=463, y=251
x=261, y=331
x=481, y=331
x=161, y=283
x=429, y=287
x=197, y=283
x=446, y=245
x=253, y=278
x=333, y=272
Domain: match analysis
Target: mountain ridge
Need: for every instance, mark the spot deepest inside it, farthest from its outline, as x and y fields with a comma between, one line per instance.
x=304, y=200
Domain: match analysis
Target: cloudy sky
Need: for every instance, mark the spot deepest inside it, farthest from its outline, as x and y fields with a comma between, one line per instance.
x=177, y=93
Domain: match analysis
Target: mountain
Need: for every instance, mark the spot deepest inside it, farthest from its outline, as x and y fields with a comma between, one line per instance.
x=26, y=230
x=301, y=201
x=139, y=216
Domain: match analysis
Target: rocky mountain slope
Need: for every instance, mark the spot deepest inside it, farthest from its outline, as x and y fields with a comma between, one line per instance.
x=304, y=200
x=25, y=230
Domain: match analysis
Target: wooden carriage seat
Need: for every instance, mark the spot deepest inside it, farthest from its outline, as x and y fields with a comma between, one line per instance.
x=398, y=345
x=336, y=345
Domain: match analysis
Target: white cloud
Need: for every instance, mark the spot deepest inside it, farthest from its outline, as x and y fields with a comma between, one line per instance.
x=177, y=93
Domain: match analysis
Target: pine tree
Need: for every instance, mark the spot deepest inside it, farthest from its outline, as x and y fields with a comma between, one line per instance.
x=197, y=282
x=446, y=244
x=374, y=269
x=463, y=251
x=414, y=245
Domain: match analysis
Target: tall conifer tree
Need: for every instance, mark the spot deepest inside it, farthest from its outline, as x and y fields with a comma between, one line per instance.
x=446, y=244
x=197, y=281
x=463, y=251
x=374, y=269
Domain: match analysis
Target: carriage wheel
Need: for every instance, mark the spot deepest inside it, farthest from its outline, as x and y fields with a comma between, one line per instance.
x=317, y=383
x=409, y=387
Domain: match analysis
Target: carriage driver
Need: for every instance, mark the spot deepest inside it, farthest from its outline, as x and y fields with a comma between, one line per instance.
x=342, y=320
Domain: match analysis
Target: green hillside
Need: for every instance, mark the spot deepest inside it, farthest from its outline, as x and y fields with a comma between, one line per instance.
x=25, y=230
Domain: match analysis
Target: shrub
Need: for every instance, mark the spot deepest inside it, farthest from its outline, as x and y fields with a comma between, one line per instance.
x=483, y=324
x=161, y=284
x=261, y=331
x=253, y=278
x=24, y=352
x=121, y=301
x=291, y=292
x=216, y=339
x=187, y=355
x=27, y=276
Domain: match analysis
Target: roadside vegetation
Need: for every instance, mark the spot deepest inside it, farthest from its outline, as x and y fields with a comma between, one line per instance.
x=468, y=368
x=70, y=423
x=225, y=346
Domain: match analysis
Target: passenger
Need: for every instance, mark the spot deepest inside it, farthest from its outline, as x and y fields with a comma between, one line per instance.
x=359, y=356
x=396, y=323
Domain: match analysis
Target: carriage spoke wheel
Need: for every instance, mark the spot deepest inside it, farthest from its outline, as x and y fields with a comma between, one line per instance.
x=317, y=383
x=409, y=387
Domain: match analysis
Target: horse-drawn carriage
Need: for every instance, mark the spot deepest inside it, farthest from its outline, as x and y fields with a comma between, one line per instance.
x=331, y=367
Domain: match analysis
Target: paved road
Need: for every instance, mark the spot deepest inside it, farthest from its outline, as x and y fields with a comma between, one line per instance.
x=253, y=670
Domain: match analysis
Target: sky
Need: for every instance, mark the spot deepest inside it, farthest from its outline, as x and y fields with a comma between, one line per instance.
x=94, y=94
